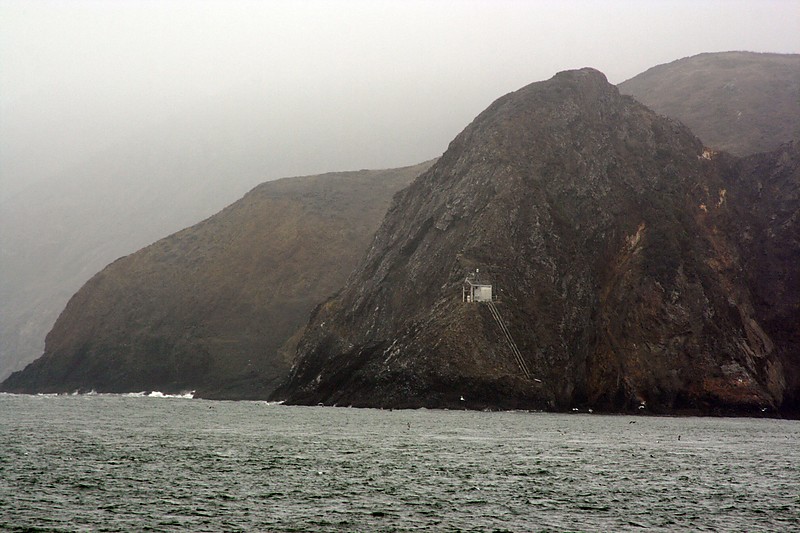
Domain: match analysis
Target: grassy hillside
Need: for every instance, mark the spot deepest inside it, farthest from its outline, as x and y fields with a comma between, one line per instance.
x=210, y=307
x=740, y=102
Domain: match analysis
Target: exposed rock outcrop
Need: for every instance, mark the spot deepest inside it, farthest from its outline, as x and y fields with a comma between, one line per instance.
x=611, y=236
x=210, y=308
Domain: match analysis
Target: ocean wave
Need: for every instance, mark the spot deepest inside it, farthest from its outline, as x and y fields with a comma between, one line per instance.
x=143, y=394
x=157, y=394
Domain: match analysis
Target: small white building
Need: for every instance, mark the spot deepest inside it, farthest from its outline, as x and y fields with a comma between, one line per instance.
x=472, y=291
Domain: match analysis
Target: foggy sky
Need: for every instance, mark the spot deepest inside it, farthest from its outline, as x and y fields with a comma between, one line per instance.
x=325, y=85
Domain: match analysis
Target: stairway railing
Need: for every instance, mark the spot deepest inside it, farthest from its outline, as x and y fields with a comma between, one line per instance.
x=507, y=335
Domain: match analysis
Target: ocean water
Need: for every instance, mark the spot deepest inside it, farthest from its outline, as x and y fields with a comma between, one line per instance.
x=117, y=463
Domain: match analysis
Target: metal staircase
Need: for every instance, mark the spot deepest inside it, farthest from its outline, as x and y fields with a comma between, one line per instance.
x=507, y=334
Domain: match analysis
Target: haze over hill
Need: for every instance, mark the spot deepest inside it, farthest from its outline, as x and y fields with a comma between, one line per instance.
x=740, y=102
x=612, y=238
x=57, y=232
x=103, y=344
x=209, y=308
x=121, y=122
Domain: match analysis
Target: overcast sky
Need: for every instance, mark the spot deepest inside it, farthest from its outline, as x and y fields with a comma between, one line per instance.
x=380, y=83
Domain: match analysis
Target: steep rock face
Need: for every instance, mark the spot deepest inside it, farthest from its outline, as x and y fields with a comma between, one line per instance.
x=765, y=220
x=596, y=221
x=209, y=308
x=740, y=102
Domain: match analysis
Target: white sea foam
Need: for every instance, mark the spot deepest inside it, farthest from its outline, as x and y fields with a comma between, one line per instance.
x=159, y=394
x=143, y=394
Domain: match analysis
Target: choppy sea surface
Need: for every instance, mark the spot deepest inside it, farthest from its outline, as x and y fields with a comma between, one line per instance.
x=124, y=463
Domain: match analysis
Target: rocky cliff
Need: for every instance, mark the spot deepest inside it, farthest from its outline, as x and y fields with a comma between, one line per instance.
x=209, y=308
x=764, y=218
x=611, y=237
x=740, y=102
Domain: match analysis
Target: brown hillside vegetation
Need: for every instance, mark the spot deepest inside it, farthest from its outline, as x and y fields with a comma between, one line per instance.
x=209, y=307
x=739, y=102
